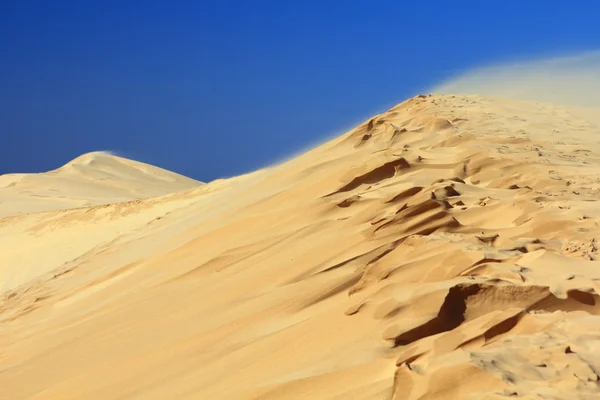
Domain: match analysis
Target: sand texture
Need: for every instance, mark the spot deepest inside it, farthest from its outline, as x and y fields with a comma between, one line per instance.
x=445, y=249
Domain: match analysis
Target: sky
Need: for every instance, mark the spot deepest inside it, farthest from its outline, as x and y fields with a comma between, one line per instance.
x=212, y=89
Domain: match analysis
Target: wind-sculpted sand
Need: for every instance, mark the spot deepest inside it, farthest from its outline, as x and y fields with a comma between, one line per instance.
x=445, y=249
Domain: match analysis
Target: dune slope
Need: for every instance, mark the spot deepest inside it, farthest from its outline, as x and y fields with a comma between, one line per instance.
x=444, y=249
x=91, y=179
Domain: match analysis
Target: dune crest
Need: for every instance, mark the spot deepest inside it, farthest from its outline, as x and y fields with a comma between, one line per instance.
x=444, y=249
x=571, y=80
x=90, y=179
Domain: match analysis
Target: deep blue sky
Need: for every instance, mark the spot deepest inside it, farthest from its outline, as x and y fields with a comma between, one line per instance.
x=217, y=88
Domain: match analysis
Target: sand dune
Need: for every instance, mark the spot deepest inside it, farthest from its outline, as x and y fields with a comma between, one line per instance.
x=444, y=249
x=91, y=179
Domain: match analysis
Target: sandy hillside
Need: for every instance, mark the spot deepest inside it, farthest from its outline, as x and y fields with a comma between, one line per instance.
x=89, y=180
x=445, y=249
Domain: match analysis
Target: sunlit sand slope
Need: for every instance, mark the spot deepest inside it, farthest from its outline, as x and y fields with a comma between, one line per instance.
x=445, y=249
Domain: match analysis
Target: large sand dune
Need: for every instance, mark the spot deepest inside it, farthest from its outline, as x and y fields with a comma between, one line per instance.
x=445, y=249
x=91, y=179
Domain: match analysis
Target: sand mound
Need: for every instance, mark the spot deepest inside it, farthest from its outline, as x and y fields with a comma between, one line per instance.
x=91, y=179
x=444, y=249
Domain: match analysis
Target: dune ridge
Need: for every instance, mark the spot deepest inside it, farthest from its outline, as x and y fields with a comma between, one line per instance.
x=90, y=179
x=567, y=79
x=446, y=248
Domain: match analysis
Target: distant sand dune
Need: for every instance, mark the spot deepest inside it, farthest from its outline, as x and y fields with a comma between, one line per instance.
x=91, y=179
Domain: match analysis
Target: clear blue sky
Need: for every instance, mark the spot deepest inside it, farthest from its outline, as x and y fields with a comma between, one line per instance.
x=217, y=88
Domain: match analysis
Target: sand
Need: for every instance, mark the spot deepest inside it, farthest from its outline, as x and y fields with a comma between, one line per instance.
x=89, y=180
x=444, y=249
